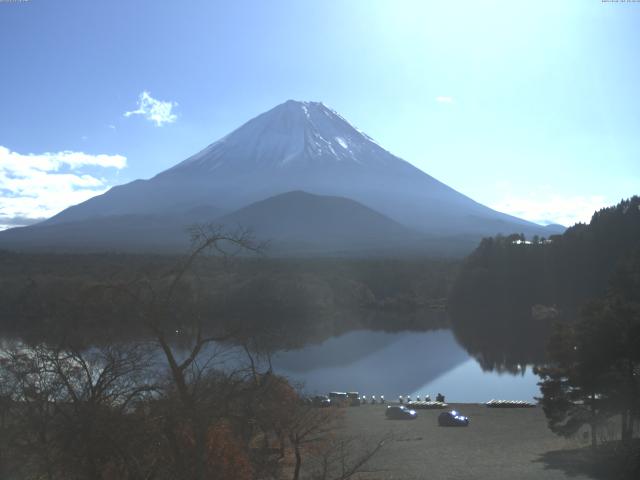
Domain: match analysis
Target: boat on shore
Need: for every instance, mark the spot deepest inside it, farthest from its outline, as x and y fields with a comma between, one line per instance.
x=509, y=404
x=423, y=405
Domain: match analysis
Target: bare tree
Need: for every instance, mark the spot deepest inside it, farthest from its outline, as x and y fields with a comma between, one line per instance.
x=315, y=434
x=73, y=412
x=171, y=408
x=345, y=457
x=308, y=425
x=174, y=308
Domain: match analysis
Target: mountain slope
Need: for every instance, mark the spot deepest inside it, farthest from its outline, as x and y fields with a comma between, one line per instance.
x=301, y=220
x=292, y=223
x=303, y=146
x=133, y=232
x=296, y=146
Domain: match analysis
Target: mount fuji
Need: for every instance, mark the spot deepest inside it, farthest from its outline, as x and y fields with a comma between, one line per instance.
x=301, y=147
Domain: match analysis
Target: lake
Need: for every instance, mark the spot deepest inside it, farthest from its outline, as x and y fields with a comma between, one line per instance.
x=390, y=364
x=401, y=363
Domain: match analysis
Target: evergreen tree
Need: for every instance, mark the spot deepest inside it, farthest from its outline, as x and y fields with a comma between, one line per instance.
x=594, y=370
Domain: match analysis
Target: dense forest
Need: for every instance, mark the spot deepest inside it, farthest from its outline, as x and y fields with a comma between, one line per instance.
x=511, y=289
x=309, y=299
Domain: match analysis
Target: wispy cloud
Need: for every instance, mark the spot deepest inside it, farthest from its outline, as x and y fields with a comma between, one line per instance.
x=157, y=111
x=444, y=99
x=35, y=186
x=544, y=206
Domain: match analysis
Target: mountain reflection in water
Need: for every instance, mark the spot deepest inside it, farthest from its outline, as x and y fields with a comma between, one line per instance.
x=402, y=363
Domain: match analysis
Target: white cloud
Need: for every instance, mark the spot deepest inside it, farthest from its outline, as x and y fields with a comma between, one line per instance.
x=444, y=99
x=544, y=206
x=39, y=186
x=154, y=110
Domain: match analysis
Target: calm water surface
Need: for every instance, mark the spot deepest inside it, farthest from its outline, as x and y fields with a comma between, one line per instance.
x=392, y=364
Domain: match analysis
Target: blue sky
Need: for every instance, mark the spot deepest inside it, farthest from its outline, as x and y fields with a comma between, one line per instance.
x=529, y=107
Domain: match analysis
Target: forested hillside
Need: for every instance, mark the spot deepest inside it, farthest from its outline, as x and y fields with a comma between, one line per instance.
x=511, y=288
x=563, y=270
x=310, y=299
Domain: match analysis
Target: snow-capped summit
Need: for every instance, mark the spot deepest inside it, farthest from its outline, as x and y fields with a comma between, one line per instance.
x=291, y=135
x=301, y=146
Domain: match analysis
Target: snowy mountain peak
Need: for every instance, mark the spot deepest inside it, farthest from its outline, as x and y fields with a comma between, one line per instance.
x=294, y=134
x=296, y=146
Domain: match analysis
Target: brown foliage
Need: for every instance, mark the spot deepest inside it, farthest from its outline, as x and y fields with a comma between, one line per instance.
x=225, y=456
